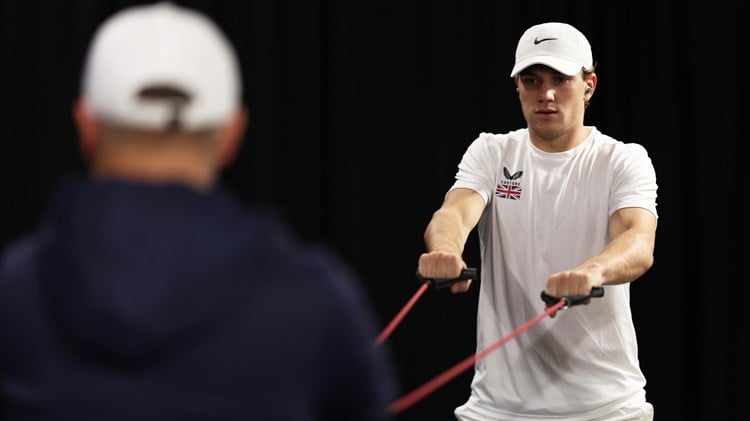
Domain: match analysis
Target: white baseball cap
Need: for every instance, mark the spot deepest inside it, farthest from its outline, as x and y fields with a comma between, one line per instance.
x=554, y=44
x=158, y=45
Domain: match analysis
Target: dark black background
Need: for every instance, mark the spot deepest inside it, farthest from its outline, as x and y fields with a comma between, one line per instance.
x=360, y=111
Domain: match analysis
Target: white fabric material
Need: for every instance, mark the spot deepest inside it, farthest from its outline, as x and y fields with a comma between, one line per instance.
x=638, y=411
x=554, y=44
x=583, y=363
x=161, y=44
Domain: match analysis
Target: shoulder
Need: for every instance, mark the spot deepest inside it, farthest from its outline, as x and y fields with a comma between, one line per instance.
x=619, y=150
x=19, y=271
x=501, y=139
x=489, y=146
x=280, y=254
x=627, y=163
x=310, y=266
x=19, y=255
x=622, y=146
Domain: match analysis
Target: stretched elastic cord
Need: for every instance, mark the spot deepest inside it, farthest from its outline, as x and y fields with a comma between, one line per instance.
x=421, y=392
x=401, y=314
x=439, y=283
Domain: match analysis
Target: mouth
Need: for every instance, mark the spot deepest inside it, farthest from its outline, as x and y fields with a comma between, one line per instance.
x=546, y=115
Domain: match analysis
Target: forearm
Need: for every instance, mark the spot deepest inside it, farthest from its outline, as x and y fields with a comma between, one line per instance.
x=446, y=233
x=450, y=226
x=445, y=238
x=624, y=259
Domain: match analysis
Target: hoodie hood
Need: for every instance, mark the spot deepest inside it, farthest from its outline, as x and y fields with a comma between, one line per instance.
x=134, y=270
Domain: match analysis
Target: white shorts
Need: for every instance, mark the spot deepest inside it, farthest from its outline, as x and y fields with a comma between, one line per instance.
x=641, y=411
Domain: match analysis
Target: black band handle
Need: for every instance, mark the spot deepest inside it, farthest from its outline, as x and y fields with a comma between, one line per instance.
x=438, y=283
x=573, y=300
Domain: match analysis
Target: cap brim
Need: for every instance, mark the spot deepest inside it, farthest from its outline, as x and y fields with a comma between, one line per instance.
x=566, y=67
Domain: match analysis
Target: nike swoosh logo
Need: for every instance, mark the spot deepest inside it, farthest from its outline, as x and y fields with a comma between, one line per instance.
x=539, y=41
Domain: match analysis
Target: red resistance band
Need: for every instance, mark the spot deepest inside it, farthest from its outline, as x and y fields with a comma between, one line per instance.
x=555, y=303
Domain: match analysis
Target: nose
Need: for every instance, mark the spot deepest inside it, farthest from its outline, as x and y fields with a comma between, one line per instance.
x=546, y=94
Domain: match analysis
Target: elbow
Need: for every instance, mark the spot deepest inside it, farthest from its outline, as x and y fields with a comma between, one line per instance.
x=644, y=256
x=648, y=262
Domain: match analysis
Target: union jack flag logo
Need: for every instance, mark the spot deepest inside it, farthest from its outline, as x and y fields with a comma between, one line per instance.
x=509, y=190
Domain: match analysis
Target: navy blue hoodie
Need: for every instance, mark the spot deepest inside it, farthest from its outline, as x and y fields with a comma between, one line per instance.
x=156, y=302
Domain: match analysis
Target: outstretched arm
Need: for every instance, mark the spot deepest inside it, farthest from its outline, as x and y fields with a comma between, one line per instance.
x=446, y=235
x=628, y=255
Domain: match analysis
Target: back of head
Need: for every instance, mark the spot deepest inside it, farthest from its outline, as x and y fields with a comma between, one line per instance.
x=161, y=66
x=556, y=45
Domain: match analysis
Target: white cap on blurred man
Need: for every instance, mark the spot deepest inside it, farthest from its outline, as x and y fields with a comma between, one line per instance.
x=161, y=46
x=554, y=44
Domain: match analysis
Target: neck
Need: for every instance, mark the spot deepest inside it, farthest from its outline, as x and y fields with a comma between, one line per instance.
x=559, y=142
x=153, y=172
x=159, y=160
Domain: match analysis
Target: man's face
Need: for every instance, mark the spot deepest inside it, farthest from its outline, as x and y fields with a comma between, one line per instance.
x=552, y=103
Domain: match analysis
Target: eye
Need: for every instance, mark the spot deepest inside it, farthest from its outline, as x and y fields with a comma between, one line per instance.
x=529, y=80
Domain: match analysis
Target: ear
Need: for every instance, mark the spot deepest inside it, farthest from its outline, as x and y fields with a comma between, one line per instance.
x=590, y=85
x=231, y=136
x=88, y=129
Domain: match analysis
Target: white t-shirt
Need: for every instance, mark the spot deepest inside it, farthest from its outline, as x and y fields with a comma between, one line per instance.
x=547, y=212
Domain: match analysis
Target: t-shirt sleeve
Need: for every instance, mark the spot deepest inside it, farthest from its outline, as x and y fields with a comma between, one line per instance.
x=476, y=169
x=634, y=180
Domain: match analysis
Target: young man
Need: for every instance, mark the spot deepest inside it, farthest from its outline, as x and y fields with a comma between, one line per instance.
x=561, y=208
x=149, y=292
